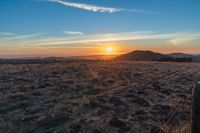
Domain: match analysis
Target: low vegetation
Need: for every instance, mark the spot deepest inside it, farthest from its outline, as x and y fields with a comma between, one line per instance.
x=96, y=96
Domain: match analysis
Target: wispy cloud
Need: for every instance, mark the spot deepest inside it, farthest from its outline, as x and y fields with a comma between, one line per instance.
x=39, y=41
x=88, y=7
x=6, y=33
x=21, y=37
x=173, y=38
x=185, y=38
x=138, y=11
x=95, y=8
x=73, y=32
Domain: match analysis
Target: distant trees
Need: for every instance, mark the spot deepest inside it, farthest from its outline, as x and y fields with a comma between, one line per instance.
x=185, y=59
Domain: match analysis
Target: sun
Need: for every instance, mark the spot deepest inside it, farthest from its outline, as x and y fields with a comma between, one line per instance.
x=109, y=50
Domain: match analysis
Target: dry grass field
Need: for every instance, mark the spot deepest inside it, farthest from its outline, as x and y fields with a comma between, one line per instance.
x=96, y=96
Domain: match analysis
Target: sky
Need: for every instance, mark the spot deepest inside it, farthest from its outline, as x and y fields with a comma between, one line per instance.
x=89, y=27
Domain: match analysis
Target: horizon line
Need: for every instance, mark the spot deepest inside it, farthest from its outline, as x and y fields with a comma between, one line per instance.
x=18, y=56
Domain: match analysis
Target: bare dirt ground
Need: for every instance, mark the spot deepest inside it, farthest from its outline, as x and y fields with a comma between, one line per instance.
x=95, y=96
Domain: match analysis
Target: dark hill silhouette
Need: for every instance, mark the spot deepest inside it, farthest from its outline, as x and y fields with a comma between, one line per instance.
x=180, y=55
x=196, y=58
x=139, y=55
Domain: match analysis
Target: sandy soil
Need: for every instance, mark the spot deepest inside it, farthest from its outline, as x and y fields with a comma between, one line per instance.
x=95, y=96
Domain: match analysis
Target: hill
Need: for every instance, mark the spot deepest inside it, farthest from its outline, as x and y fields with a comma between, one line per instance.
x=143, y=56
x=139, y=55
x=180, y=55
x=183, y=56
x=196, y=58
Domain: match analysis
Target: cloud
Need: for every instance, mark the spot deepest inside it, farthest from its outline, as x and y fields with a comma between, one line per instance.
x=124, y=36
x=6, y=33
x=73, y=32
x=19, y=37
x=88, y=7
x=185, y=38
x=96, y=8
x=98, y=38
x=35, y=40
x=138, y=11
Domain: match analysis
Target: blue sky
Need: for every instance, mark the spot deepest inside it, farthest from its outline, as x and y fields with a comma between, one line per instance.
x=51, y=24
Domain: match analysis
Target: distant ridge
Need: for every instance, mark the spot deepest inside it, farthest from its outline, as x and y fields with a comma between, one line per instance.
x=180, y=55
x=139, y=55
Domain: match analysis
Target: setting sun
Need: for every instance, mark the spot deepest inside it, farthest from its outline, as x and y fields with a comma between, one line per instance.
x=109, y=49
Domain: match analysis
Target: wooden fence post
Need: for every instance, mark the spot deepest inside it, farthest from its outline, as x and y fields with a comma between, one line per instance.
x=196, y=109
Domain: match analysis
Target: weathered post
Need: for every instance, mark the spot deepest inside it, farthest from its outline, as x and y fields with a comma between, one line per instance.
x=196, y=109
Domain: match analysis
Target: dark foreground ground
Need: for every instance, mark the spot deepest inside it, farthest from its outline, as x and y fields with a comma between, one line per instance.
x=95, y=96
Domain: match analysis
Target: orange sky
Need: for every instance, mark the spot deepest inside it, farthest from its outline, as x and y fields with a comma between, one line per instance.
x=97, y=49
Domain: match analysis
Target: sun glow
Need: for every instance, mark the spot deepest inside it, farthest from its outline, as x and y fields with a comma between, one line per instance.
x=109, y=50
